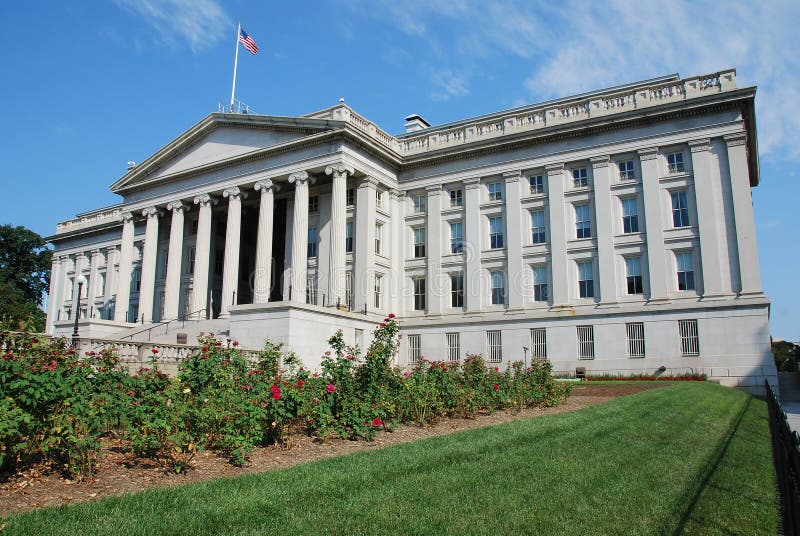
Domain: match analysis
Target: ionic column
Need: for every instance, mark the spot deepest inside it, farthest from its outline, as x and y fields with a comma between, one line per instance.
x=365, y=243
x=559, y=270
x=601, y=173
x=263, y=275
x=233, y=232
x=91, y=292
x=112, y=260
x=516, y=284
x=202, y=257
x=707, y=219
x=653, y=225
x=473, y=289
x=743, y=214
x=433, y=251
x=299, y=236
x=76, y=288
x=149, y=253
x=55, y=294
x=336, y=274
x=122, y=301
x=172, y=289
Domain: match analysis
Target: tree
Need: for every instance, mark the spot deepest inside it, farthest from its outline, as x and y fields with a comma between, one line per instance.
x=24, y=277
x=787, y=355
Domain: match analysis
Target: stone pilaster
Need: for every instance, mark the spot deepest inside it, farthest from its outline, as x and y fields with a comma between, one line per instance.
x=122, y=301
x=517, y=284
x=149, y=254
x=174, y=260
x=263, y=276
x=708, y=218
x=55, y=294
x=233, y=233
x=654, y=225
x=202, y=256
x=364, y=272
x=299, y=236
x=112, y=264
x=336, y=274
x=601, y=172
x=434, y=280
x=559, y=270
x=91, y=291
x=473, y=230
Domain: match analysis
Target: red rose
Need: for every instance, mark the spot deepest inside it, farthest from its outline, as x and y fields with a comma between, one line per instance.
x=391, y=315
x=496, y=387
x=497, y=369
x=330, y=388
x=205, y=348
x=377, y=422
x=154, y=350
x=383, y=324
x=236, y=343
x=300, y=383
x=276, y=394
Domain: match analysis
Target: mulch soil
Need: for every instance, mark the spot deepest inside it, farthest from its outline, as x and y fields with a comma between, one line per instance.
x=120, y=472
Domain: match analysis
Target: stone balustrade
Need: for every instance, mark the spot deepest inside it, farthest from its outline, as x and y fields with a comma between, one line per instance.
x=91, y=219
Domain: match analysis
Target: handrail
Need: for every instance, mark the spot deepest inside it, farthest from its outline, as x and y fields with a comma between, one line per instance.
x=166, y=323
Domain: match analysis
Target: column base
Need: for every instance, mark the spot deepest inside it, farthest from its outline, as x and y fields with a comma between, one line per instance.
x=751, y=294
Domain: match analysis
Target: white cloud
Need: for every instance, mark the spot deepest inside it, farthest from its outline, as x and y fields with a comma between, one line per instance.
x=199, y=23
x=447, y=84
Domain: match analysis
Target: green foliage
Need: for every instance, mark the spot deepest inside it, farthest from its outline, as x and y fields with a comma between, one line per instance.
x=24, y=277
x=787, y=355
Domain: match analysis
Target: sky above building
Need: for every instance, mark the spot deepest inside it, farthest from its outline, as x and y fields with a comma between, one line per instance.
x=89, y=86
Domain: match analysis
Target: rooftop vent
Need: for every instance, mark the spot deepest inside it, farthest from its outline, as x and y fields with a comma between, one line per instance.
x=415, y=123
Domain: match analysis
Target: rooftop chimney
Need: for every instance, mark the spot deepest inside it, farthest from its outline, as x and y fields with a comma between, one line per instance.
x=415, y=123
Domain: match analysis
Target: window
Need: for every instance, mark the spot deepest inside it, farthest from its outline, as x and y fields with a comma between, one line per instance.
x=420, y=203
x=378, y=285
x=635, y=334
x=413, y=349
x=633, y=271
x=419, y=242
x=453, y=346
x=538, y=227
x=496, y=232
x=685, y=271
x=313, y=203
x=495, y=191
x=630, y=215
x=626, y=170
x=311, y=289
x=456, y=237
x=495, y=346
x=350, y=197
x=419, y=293
x=378, y=237
x=580, y=177
x=498, y=288
x=583, y=223
x=456, y=198
x=190, y=264
x=536, y=184
x=585, y=282
x=540, y=293
x=585, y=342
x=312, y=242
x=457, y=290
x=680, y=209
x=538, y=343
x=348, y=237
x=348, y=290
x=675, y=162
x=690, y=340
x=378, y=198
x=100, y=287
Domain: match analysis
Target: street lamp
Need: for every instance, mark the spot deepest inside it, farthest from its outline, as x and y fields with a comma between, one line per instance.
x=77, y=309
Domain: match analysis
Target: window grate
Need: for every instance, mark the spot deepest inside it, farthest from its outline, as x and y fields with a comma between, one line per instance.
x=453, y=346
x=635, y=332
x=413, y=349
x=538, y=343
x=690, y=341
x=586, y=342
x=495, y=346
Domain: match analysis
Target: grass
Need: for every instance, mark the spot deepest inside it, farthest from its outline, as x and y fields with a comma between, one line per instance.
x=686, y=458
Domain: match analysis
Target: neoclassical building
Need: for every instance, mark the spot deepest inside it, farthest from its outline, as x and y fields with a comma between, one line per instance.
x=612, y=231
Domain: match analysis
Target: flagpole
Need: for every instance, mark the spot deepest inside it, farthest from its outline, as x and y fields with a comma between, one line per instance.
x=235, y=62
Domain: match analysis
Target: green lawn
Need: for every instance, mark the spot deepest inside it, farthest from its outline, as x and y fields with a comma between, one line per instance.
x=692, y=457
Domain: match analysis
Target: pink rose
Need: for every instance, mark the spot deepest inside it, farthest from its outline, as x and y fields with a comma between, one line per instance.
x=330, y=388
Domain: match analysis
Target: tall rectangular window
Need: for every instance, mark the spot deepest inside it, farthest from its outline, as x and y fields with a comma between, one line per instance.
x=626, y=170
x=585, y=281
x=457, y=290
x=456, y=237
x=378, y=198
x=350, y=197
x=536, y=184
x=419, y=242
x=630, y=215
x=583, y=222
x=495, y=191
x=675, y=162
x=495, y=344
x=190, y=264
x=580, y=177
x=312, y=242
x=540, y=291
x=635, y=333
x=633, y=274
x=414, y=352
x=585, y=342
x=378, y=288
x=348, y=290
x=419, y=293
x=538, y=343
x=496, y=232
x=311, y=289
x=348, y=237
x=456, y=197
x=685, y=270
x=538, y=235
x=453, y=346
x=420, y=203
x=680, y=209
x=498, y=288
x=690, y=340
x=313, y=203
x=378, y=237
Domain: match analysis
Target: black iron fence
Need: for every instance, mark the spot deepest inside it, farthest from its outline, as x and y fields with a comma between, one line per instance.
x=786, y=455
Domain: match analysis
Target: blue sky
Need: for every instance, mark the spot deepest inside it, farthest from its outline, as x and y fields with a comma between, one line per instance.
x=90, y=85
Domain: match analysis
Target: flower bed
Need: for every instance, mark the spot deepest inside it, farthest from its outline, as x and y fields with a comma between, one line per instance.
x=56, y=405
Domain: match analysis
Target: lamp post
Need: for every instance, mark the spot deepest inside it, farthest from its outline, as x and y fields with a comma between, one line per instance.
x=77, y=309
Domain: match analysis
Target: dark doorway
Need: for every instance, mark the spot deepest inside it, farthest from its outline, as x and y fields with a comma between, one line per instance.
x=278, y=250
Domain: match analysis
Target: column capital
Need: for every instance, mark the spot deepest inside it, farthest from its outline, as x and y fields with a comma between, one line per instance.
x=700, y=146
x=152, y=212
x=512, y=176
x=339, y=169
x=126, y=216
x=233, y=192
x=299, y=177
x=394, y=192
x=204, y=199
x=740, y=138
x=369, y=182
x=265, y=185
x=554, y=169
x=177, y=206
x=94, y=252
x=472, y=183
x=433, y=189
x=599, y=162
x=648, y=154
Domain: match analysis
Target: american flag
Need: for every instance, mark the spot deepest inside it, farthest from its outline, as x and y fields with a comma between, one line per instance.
x=247, y=41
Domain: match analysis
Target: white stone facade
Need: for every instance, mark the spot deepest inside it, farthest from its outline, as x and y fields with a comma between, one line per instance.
x=612, y=231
